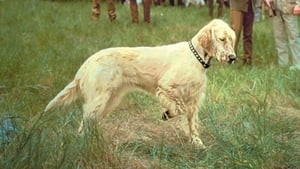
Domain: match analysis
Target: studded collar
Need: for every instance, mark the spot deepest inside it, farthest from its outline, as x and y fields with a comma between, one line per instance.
x=198, y=57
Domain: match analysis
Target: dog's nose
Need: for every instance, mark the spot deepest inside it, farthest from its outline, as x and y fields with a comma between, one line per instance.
x=232, y=59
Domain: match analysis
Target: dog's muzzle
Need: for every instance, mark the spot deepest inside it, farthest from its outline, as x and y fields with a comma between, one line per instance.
x=232, y=59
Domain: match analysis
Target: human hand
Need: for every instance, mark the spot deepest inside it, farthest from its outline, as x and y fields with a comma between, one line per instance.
x=296, y=10
x=268, y=2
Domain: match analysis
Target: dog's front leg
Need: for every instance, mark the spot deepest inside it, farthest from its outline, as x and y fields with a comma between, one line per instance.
x=192, y=117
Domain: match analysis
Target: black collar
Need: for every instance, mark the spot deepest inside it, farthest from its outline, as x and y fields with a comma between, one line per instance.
x=196, y=54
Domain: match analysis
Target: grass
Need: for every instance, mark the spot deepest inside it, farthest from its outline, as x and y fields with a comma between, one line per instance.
x=250, y=118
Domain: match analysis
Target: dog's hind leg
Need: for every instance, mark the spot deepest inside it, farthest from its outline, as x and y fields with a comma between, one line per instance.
x=94, y=110
x=101, y=106
x=102, y=90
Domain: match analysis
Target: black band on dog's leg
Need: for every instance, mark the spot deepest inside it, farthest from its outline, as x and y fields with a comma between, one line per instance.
x=166, y=116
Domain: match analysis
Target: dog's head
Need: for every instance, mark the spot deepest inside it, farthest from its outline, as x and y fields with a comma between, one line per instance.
x=217, y=39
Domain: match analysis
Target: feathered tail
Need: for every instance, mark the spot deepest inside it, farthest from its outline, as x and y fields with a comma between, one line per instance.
x=69, y=94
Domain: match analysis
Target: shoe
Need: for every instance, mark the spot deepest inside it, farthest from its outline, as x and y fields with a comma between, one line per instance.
x=295, y=67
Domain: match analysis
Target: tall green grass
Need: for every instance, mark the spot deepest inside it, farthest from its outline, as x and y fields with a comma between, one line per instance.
x=250, y=118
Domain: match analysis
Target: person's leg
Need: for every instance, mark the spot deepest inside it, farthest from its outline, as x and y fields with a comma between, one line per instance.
x=236, y=20
x=96, y=9
x=210, y=5
x=134, y=11
x=280, y=39
x=111, y=10
x=292, y=29
x=147, y=8
x=180, y=3
x=171, y=2
x=220, y=8
x=248, y=19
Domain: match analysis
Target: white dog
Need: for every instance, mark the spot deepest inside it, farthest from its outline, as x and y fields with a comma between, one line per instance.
x=194, y=2
x=174, y=73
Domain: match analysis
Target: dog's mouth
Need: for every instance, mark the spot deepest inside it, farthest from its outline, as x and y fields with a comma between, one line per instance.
x=231, y=59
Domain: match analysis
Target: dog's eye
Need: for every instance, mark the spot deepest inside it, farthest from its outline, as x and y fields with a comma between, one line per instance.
x=222, y=39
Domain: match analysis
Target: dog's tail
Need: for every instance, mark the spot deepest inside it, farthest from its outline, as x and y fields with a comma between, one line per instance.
x=69, y=94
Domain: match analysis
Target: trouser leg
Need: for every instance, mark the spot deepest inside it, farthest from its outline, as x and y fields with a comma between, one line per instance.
x=280, y=39
x=134, y=11
x=236, y=21
x=171, y=2
x=248, y=19
x=96, y=9
x=147, y=8
x=220, y=8
x=292, y=30
x=180, y=3
x=111, y=10
x=210, y=5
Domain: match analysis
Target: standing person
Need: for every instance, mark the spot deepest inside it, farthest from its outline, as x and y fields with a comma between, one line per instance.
x=242, y=17
x=96, y=9
x=210, y=4
x=286, y=32
x=134, y=11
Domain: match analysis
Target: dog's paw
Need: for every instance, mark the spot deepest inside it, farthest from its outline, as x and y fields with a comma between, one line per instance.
x=166, y=116
x=198, y=142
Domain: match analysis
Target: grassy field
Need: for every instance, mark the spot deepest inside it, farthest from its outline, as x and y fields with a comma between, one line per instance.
x=250, y=118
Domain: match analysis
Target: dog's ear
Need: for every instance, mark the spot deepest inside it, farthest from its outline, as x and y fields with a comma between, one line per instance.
x=206, y=39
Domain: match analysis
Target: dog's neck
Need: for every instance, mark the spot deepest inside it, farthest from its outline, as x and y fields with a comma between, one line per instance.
x=198, y=53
